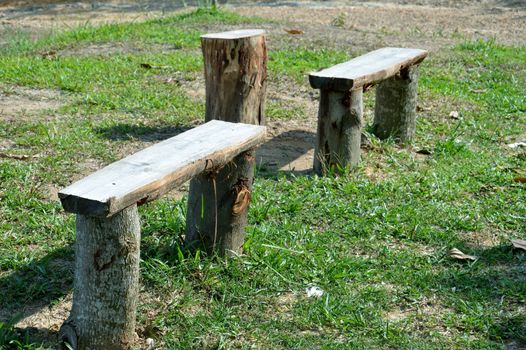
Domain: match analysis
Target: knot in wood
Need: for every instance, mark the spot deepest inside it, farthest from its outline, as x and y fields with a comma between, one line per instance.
x=242, y=193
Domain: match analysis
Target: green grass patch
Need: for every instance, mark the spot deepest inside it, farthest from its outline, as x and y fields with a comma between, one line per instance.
x=298, y=62
x=375, y=240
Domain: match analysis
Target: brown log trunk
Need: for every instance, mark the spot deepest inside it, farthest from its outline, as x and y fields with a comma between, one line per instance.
x=236, y=79
x=339, y=130
x=106, y=282
x=218, y=205
x=235, y=76
x=395, y=109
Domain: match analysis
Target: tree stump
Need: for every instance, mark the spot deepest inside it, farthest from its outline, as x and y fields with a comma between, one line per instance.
x=395, y=109
x=235, y=76
x=106, y=282
x=236, y=79
x=339, y=130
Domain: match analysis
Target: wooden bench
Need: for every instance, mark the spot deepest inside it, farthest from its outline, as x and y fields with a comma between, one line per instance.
x=108, y=230
x=341, y=106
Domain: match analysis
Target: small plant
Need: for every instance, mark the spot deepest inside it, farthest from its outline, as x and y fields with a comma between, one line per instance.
x=11, y=339
x=340, y=20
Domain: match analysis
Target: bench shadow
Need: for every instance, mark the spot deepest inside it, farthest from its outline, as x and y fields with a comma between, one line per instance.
x=29, y=293
x=289, y=153
x=126, y=132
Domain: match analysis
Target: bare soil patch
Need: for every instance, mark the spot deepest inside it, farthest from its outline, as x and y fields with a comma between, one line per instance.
x=19, y=102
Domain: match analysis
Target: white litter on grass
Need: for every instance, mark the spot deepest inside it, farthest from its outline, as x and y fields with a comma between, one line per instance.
x=314, y=292
x=517, y=145
x=150, y=343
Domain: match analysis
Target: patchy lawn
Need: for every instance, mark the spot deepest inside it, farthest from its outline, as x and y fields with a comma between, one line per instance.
x=375, y=240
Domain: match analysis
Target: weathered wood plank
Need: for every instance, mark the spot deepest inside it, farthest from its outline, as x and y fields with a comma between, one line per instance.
x=369, y=68
x=150, y=173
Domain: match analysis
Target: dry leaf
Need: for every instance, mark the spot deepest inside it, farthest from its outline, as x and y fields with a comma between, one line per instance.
x=519, y=244
x=457, y=254
x=520, y=179
x=421, y=108
x=242, y=201
x=424, y=151
x=14, y=156
x=49, y=55
x=454, y=115
x=150, y=66
x=294, y=31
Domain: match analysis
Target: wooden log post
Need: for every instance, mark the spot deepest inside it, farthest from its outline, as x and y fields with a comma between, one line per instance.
x=106, y=284
x=235, y=76
x=217, y=206
x=236, y=80
x=395, y=108
x=339, y=130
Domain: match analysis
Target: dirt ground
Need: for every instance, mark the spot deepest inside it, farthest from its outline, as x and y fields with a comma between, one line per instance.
x=356, y=25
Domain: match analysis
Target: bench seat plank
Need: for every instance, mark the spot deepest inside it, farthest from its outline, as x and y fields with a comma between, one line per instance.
x=149, y=173
x=369, y=68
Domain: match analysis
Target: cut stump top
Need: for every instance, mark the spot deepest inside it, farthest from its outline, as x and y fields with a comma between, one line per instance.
x=369, y=68
x=148, y=174
x=234, y=34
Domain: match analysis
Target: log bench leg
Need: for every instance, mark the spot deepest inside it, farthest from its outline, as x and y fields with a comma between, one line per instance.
x=106, y=282
x=395, y=109
x=339, y=129
x=218, y=207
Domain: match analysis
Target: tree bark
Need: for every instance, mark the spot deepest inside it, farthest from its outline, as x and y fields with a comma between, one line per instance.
x=395, y=109
x=106, y=282
x=235, y=76
x=236, y=80
x=339, y=130
x=218, y=205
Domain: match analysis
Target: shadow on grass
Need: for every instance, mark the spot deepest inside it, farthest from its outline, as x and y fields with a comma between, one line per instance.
x=28, y=291
x=126, y=132
x=496, y=281
x=289, y=153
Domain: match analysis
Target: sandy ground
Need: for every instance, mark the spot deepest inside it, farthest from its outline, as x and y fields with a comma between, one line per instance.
x=353, y=25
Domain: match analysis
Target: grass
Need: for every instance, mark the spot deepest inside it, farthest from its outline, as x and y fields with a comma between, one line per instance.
x=375, y=240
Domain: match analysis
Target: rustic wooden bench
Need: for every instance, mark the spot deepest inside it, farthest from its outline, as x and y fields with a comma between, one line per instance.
x=341, y=106
x=108, y=229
